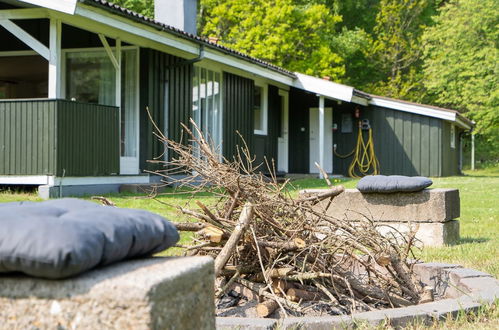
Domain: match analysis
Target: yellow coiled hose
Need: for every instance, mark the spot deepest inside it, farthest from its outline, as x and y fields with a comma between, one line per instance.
x=364, y=161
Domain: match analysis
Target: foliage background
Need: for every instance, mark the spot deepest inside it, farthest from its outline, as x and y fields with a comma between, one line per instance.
x=440, y=52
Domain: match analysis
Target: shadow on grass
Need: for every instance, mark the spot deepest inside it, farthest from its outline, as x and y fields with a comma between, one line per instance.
x=471, y=240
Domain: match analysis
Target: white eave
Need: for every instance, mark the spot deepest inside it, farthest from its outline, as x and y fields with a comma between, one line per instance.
x=419, y=109
x=63, y=6
x=327, y=88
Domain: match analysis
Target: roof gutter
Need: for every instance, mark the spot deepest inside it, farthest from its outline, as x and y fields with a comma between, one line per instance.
x=191, y=61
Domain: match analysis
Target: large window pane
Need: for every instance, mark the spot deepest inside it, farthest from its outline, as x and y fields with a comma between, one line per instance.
x=206, y=107
x=90, y=78
x=257, y=108
x=129, y=103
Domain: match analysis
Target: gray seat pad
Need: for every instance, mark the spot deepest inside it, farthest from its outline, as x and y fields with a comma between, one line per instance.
x=64, y=237
x=392, y=184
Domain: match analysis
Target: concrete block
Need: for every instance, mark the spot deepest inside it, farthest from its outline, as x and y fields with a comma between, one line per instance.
x=46, y=191
x=428, y=205
x=241, y=323
x=427, y=233
x=154, y=293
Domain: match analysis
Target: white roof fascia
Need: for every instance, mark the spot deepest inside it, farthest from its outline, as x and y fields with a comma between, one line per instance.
x=188, y=46
x=64, y=6
x=413, y=108
x=323, y=87
x=463, y=124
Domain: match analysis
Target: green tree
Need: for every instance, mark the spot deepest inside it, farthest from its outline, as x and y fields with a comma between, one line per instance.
x=144, y=7
x=397, y=50
x=461, y=64
x=296, y=35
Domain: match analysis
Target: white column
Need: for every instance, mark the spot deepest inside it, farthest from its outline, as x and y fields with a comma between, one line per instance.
x=472, y=151
x=54, y=88
x=321, y=133
x=118, y=74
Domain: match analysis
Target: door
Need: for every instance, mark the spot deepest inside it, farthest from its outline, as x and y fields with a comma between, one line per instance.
x=129, y=160
x=314, y=140
x=283, y=140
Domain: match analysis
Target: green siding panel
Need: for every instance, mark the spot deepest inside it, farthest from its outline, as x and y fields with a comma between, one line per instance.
x=28, y=137
x=238, y=113
x=450, y=156
x=52, y=137
x=405, y=143
x=166, y=89
x=87, y=139
x=299, y=104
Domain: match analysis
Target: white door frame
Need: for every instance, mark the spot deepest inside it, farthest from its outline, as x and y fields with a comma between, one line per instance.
x=323, y=145
x=283, y=140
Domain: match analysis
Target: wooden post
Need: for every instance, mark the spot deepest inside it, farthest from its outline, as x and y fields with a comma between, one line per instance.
x=54, y=86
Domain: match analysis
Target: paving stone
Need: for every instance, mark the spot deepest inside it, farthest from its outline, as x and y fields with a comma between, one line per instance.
x=154, y=293
x=485, y=284
x=315, y=323
x=442, y=309
x=428, y=205
x=435, y=275
x=396, y=317
x=243, y=323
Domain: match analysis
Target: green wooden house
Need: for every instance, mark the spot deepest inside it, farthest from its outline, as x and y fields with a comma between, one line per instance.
x=77, y=76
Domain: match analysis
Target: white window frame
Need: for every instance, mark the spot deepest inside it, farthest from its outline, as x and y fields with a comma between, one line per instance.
x=264, y=114
x=216, y=69
x=453, y=136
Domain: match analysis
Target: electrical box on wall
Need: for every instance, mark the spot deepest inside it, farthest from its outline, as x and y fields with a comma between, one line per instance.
x=346, y=123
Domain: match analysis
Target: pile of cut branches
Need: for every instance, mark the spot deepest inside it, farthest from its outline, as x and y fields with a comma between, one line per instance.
x=282, y=249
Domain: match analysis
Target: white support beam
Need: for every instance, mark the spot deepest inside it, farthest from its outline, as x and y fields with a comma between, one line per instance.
x=109, y=51
x=25, y=37
x=25, y=13
x=321, y=134
x=118, y=75
x=472, y=151
x=55, y=60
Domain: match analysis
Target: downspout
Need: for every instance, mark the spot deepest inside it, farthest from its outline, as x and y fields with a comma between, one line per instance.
x=199, y=58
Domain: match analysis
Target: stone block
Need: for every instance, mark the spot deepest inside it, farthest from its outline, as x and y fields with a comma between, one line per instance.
x=154, y=293
x=427, y=233
x=428, y=205
x=446, y=308
x=395, y=317
x=435, y=275
x=241, y=323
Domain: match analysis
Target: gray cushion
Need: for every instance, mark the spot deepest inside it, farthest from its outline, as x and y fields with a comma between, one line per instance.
x=392, y=184
x=64, y=237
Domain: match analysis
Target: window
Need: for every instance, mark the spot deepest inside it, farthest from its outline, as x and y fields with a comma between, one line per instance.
x=260, y=109
x=207, y=103
x=452, y=136
x=91, y=78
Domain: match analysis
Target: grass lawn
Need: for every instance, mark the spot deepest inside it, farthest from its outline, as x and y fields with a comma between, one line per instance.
x=478, y=247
